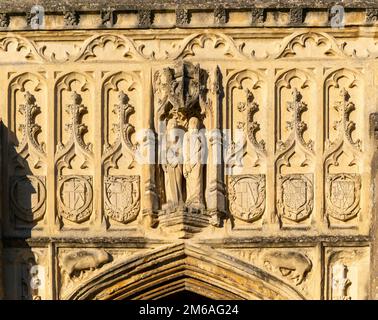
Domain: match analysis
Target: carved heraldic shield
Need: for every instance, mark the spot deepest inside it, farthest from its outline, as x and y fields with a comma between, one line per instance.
x=122, y=198
x=247, y=197
x=343, y=196
x=75, y=197
x=295, y=197
x=28, y=197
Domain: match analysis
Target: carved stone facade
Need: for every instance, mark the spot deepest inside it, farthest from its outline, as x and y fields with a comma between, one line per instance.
x=145, y=141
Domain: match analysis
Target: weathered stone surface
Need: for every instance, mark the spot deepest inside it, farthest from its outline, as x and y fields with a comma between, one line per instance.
x=52, y=5
x=228, y=148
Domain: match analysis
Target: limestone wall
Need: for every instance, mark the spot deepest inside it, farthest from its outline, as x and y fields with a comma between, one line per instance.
x=284, y=99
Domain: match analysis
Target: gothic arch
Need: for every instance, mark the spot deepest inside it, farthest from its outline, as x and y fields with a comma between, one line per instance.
x=179, y=267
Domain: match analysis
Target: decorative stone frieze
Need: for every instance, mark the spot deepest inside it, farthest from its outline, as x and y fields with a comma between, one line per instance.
x=226, y=148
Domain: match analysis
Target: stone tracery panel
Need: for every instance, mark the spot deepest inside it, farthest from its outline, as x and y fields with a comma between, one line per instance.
x=245, y=158
x=74, y=148
x=246, y=115
x=121, y=165
x=295, y=155
x=27, y=150
x=343, y=147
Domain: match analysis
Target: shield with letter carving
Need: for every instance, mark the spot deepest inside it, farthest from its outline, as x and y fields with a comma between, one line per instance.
x=75, y=197
x=247, y=196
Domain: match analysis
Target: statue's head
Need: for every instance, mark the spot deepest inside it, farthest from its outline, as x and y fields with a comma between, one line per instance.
x=172, y=124
x=172, y=129
x=166, y=76
x=193, y=124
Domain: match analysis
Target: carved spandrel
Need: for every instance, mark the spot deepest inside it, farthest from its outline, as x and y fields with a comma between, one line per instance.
x=289, y=264
x=75, y=263
x=309, y=44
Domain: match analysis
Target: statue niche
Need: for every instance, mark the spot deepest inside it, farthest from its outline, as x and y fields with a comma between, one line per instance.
x=182, y=150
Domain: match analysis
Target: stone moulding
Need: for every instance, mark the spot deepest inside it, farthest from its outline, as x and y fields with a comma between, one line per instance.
x=145, y=11
x=132, y=51
x=54, y=6
x=200, y=268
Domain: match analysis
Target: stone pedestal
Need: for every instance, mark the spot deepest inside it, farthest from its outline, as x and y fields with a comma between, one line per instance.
x=183, y=222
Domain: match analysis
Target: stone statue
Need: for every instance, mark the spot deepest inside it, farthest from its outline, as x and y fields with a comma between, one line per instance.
x=173, y=167
x=193, y=166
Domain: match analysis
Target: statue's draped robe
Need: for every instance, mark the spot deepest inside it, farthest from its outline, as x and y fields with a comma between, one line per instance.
x=173, y=175
x=193, y=169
